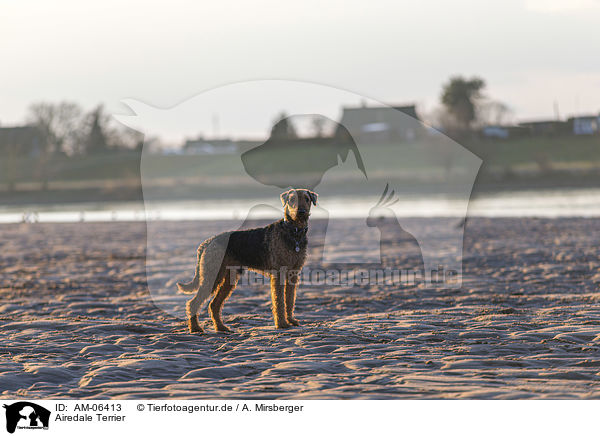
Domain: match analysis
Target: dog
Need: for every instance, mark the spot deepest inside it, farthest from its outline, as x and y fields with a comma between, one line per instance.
x=277, y=250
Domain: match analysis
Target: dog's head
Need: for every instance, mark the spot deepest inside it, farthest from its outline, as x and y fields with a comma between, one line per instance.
x=297, y=203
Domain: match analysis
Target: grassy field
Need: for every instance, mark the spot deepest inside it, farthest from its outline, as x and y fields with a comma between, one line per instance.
x=541, y=161
x=541, y=152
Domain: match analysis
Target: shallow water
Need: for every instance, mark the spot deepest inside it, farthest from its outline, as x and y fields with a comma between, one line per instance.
x=549, y=204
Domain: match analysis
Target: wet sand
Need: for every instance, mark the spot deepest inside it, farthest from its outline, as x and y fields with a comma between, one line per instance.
x=77, y=321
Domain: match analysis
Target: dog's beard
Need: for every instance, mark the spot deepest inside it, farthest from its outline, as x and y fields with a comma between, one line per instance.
x=298, y=216
x=303, y=216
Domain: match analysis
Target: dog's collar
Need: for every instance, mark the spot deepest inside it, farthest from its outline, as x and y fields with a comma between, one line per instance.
x=298, y=234
x=289, y=224
x=296, y=230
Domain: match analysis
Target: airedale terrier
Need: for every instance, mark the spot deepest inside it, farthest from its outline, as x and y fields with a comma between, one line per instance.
x=277, y=250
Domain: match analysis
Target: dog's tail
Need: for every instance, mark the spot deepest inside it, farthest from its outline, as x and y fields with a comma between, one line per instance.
x=191, y=287
x=194, y=285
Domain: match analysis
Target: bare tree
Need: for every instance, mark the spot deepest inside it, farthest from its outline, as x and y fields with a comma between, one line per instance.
x=96, y=141
x=318, y=125
x=283, y=128
x=60, y=124
x=494, y=112
x=122, y=137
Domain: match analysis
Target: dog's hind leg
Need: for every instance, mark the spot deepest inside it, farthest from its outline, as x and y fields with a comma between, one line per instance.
x=207, y=286
x=192, y=307
x=205, y=283
x=226, y=287
x=209, y=274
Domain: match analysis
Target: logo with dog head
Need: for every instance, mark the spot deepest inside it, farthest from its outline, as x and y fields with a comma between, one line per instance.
x=26, y=415
x=378, y=172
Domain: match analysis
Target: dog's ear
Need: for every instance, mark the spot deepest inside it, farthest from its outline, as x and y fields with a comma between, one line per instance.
x=313, y=197
x=285, y=197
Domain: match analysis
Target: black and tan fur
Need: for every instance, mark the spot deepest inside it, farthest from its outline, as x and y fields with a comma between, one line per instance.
x=277, y=250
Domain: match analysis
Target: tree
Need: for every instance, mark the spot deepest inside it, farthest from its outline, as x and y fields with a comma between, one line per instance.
x=318, y=125
x=494, y=112
x=120, y=138
x=60, y=124
x=96, y=142
x=460, y=98
x=283, y=128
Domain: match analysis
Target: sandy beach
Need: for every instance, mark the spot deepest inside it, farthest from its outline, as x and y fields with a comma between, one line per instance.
x=77, y=321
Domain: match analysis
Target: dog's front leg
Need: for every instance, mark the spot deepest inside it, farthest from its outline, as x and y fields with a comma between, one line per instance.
x=277, y=300
x=290, y=297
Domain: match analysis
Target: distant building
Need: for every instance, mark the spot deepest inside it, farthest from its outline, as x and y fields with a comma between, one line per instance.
x=495, y=132
x=545, y=127
x=504, y=132
x=210, y=146
x=585, y=125
x=21, y=141
x=382, y=124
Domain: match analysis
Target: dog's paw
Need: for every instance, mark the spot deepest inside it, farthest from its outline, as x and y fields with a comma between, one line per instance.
x=294, y=322
x=282, y=325
x=223, y=329
x=194, y=327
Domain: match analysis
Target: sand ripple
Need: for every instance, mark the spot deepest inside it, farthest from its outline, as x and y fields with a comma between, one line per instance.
x=78, y=322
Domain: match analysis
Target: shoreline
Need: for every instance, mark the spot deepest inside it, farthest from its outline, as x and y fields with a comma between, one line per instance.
x=130, y=190
x=549, y=204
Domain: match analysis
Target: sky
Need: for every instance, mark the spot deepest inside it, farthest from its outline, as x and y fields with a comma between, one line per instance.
x=531, y=53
